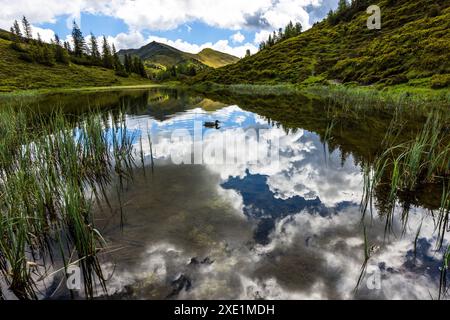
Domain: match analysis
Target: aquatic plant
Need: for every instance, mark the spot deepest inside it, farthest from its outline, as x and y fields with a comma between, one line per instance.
x=406, y=168
x=50, y=171
x=363, y=98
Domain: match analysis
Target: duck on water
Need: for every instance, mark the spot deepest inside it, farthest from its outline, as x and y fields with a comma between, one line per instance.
x=214, y=124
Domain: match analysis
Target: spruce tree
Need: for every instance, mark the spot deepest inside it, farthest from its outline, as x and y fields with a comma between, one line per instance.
x=16, y=28
x=27, y=28
x=57, y=40
x=142, y=71
x=48, y=57
x=128, y=64
x=108, y=61
x=95, y=53
x=117, y=63
x=67, y=46
x=61, y=54
x=342, y=6
x=78, y=41
x=298, y=28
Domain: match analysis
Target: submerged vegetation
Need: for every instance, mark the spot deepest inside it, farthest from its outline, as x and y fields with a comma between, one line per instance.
x=51, y=171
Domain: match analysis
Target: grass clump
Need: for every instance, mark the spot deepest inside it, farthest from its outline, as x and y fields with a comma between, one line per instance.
x=406, y=169
x=49, y=174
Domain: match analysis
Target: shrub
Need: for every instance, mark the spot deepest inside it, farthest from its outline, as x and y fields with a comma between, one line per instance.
x=84, y=61
x=61, y=55
x=43, y=55
x=26, y=57
x=5, y=35
x=18, y=47
x=439, y=81
x=435, y=11
x=122, y=73
x=398, y=79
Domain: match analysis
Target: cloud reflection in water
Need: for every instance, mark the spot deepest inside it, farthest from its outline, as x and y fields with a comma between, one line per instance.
x=249, y=231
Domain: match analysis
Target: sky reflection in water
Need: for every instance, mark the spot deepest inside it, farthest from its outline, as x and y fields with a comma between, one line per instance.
x=251, y=231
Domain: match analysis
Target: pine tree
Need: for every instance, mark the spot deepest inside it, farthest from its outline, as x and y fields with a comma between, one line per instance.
x=136, y=66
x=142, y=71
x=289, y=30
x=342, y=6
x=57, y=40
x=61, y=54
x=117, y=63
x=128, y=64
x=280, y=35
x=262, y=45
x=173, y=71
x=108, y=61
x=95, y=53
x=16, y=29
x=39, y=39
x=298, y=28
x=48, y=57
x=78, y=41
x=27, y=28
x=269, y=41
x=67, y=46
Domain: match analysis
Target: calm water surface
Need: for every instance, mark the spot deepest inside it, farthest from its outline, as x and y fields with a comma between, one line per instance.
x=286, y=230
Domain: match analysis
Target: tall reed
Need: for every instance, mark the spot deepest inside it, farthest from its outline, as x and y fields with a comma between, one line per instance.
x=50, y=170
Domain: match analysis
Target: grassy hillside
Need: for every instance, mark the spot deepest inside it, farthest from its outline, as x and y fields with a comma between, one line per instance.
x=412, y=47
x=17, y=74
x=159, y=53
x=215, y=59
x=162, y=54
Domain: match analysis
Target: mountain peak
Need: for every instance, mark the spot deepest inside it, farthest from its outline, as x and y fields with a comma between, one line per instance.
x=161, y=53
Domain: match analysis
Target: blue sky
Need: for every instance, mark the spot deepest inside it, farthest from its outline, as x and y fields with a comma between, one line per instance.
x=232, y=26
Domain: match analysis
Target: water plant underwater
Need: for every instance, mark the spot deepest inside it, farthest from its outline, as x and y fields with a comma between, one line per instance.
x=51, y=171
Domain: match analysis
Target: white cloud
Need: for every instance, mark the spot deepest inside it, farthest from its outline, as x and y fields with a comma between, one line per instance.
x=238, y=37
x=285, y=10
x=46, y=34
x=165, y=14
x=261, y=36
x=136, y=39
x=261, y=16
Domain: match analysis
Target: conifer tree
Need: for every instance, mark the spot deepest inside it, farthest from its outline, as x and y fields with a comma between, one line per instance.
x=298, y=28
x=78, y=41
x=57, y=40
x=128, y=64
x=27, y=28
x=108, y=61
x=117, y=63
x=342, y=6
x=61, y=54
x=67, y=46
x=16, y=29
x=95, y=53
